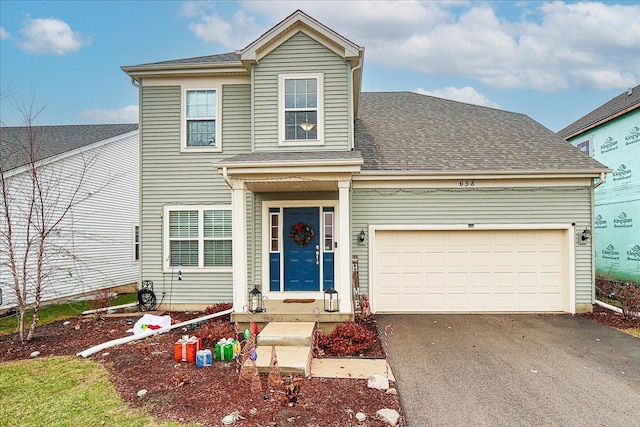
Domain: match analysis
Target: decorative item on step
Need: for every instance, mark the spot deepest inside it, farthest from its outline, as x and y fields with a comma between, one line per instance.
x=301, y=234
x=185, y=349
x=204, y=358
x=366, y=307
x=331, y=300
x=227, y=349
x=255, y=300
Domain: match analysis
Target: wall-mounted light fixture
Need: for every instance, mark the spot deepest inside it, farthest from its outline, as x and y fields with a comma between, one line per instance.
x=586, y=235
x=361, y=236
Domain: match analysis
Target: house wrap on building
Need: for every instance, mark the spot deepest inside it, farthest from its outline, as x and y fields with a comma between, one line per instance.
x=611, y=135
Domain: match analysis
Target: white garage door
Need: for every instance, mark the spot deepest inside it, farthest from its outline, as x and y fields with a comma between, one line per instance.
x=470, y=271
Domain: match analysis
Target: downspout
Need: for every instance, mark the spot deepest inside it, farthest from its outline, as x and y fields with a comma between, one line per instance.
x=352, y=125
x=88, y=352
x=593, y=264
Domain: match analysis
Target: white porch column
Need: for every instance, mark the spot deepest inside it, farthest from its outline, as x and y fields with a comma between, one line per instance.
x=239, y=244
x=343, y=265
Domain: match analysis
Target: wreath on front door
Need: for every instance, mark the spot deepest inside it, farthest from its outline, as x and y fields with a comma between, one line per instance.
x=302, y=234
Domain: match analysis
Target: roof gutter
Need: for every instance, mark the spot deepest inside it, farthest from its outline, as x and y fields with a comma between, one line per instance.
x=352, y=99
x=601, y=181
x=469, y=174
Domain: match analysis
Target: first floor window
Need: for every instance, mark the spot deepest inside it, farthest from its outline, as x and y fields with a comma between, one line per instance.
x=200, y=237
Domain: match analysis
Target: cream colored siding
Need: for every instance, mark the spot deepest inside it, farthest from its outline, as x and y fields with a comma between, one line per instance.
x=170, y=177
x=301, y=54
x=415, y=206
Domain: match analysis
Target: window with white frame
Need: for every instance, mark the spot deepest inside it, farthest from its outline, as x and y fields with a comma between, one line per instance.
x=201, y=118
x=301, y=107
x=199, y=237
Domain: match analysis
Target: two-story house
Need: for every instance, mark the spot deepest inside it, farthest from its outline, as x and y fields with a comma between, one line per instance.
x=268, y=167
x=611, y=135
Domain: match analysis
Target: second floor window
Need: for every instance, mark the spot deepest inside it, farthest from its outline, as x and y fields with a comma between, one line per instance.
x=201, y=111
x=301, y=107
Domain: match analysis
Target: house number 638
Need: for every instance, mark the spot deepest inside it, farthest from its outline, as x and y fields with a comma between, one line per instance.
x=467, y=183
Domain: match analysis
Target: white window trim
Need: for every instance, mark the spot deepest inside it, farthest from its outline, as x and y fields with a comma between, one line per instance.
x=166, y=252
x=266, y=245
x=320, y=110
x=183, y=120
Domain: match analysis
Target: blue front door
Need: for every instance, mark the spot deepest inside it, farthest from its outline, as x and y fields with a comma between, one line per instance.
x=301, y=259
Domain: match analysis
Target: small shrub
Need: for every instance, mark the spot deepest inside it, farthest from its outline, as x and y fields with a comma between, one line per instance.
x=101, y=299
x=347, y=339
x=217, y=308
x=628, y=295
x=211, y=332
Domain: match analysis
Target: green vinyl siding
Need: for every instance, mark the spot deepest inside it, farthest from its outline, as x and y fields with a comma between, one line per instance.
x=301, y=54
x=169, y=177
x=415, y=206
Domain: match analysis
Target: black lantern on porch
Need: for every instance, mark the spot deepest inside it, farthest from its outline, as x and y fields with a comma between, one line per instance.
x=255, y=300
x=331, y=300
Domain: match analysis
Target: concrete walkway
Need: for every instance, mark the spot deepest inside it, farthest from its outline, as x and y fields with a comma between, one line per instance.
x=513, y=370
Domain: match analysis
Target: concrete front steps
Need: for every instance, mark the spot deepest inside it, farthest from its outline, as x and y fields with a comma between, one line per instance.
x=292, y=342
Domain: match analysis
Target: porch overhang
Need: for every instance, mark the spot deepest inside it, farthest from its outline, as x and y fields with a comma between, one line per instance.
x=291, y=171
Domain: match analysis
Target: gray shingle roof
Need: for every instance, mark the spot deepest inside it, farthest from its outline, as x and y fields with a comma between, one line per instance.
x=289, y=156
x=209, y=59
x=404, y=131
x=609, y=109
x=53, y=140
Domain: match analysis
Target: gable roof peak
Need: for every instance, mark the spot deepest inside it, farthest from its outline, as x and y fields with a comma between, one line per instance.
x=299, y=21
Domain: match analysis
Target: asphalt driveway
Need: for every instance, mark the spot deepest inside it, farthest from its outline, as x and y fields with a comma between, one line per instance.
x=513, y=370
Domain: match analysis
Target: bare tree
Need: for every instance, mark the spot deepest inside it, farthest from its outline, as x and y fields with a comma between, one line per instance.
x=36, y=197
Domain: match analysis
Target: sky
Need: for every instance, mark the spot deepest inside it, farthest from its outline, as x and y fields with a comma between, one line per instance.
x=553, y=61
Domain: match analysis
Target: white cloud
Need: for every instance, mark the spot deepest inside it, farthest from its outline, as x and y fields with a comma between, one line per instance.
x=549, y=46
x=464, y=94
x=51, y=36
x=128, y=114
x=209, y=26
x=4, y=34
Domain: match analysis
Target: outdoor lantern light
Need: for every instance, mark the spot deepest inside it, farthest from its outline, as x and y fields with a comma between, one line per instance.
x=361, y=236
x=255, y=300
x=586, y=235
x=331, y=300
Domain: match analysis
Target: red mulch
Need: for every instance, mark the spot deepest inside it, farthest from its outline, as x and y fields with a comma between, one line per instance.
x=183, y=392
x=611, y=318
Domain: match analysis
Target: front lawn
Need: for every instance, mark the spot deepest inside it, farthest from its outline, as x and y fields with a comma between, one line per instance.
x=64, y=391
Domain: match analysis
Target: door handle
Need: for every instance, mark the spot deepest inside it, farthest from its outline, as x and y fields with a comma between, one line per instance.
x=317, y=257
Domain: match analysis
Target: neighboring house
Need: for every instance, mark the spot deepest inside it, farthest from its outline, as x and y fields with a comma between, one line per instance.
x=96, y=246
x=450, y=207
x=611, y=135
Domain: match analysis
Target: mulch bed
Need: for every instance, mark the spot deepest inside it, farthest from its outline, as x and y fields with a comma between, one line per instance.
x=183, y=392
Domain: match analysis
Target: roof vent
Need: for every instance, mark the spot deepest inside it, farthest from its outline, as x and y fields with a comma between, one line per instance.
x=630, y=91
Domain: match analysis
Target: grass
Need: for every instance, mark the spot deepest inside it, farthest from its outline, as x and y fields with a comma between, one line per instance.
x=64, y=391
x=633, y=332
x=9, y=325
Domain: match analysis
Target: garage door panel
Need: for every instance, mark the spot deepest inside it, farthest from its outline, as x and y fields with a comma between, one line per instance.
x=475, y=270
